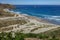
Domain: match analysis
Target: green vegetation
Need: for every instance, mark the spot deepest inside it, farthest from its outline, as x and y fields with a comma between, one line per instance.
x=51, y=35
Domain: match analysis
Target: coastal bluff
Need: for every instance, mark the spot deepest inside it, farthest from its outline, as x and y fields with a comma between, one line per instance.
x=18, y=26
x=11, y=21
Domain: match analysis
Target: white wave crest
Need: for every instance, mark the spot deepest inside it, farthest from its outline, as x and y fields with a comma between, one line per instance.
x=56, y=18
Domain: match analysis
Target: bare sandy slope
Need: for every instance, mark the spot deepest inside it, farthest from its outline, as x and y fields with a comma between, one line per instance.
x=34, y=25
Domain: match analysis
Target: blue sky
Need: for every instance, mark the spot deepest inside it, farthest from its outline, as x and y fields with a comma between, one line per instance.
x=31, y=2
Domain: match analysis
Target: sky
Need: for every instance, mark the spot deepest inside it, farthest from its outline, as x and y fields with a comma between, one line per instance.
x=31, y=2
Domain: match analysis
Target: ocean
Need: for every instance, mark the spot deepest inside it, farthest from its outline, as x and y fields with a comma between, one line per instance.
x=49, y=12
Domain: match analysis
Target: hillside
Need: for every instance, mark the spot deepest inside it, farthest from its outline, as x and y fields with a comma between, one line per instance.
x=4, y=13
x=28, y=26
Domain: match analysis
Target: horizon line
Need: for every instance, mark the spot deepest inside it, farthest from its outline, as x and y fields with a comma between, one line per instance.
x=30, y=4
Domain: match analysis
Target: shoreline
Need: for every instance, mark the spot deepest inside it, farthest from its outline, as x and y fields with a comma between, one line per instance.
x=32, y=17
x=37, y=18
x=41, y=19
x=32, y=23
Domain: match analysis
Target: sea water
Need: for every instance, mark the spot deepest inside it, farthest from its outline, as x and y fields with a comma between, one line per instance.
x=49, y=12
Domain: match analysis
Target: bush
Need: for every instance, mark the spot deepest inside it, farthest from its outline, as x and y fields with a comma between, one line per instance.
x=42, y=36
